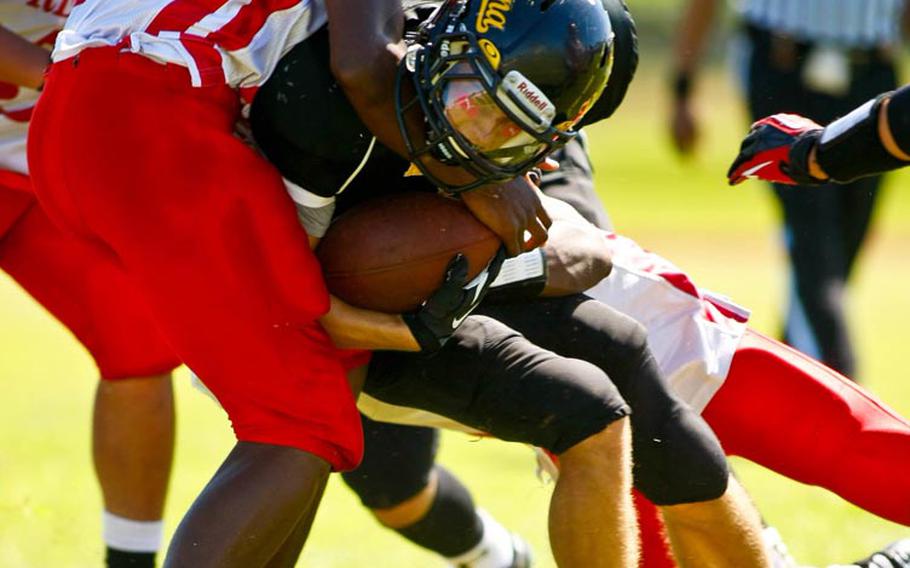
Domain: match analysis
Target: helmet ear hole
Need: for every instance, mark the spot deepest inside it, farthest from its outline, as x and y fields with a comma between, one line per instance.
x=545, y=5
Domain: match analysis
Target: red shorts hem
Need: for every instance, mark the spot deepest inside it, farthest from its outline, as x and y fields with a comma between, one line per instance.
x=339, y=458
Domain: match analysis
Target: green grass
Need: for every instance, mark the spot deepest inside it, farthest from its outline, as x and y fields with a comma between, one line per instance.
x=727, y=238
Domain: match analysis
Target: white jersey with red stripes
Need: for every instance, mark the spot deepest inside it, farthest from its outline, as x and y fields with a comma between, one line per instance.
x=37, y=21
x=692, y=332
x=234, y=42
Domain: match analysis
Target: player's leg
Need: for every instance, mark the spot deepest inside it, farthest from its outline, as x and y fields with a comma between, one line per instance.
x=694, y=529
x=206, y=230
x=132, y=449
x=813, y=425
x=678, y=463
x=493, y=380
x=133, y=432
x=399, y=481
x=579, y=533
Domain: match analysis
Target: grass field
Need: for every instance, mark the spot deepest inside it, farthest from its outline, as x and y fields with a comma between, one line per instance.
x=726, y=238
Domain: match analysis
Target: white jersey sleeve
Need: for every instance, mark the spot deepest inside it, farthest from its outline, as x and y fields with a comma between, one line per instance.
x=38, y=22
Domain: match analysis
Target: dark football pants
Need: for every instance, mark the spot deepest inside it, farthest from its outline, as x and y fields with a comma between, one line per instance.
x=824, y=227
x=543, y=380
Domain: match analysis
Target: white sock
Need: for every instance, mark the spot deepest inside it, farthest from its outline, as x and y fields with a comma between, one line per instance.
x=129, y=535
x=494, y=550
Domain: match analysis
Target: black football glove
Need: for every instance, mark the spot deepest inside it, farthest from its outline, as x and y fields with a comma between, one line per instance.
x=777, y=150
x=438, y=318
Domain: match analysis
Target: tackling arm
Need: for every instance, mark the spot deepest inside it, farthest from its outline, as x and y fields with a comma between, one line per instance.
x=21, y=62
x=577, y=253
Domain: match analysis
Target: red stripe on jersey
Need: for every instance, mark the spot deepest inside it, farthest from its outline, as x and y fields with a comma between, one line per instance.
x=729, y=313
x=207, y=58
x=239, y=32
x=8, y=91
x=681, y=282
x=20, y=115
x=181, y=14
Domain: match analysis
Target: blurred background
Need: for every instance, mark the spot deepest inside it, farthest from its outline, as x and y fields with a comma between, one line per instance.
x=726, y=238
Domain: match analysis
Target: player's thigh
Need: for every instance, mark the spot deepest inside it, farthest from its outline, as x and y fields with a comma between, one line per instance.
x=677, y=457
x=206, y=230
x=86, y=290
x=493, y=379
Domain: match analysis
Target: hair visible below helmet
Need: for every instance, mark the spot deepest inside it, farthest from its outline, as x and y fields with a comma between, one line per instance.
x=502, y=83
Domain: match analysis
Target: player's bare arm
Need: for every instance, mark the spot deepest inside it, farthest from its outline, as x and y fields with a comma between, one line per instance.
x=351, y=327
x=576, y=256
x=21, y=62
x=366, y=47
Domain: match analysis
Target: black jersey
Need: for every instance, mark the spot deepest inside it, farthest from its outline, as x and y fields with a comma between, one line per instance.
x=305, y=125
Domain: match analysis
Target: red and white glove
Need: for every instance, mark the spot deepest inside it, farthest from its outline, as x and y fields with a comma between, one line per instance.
x=777, y=149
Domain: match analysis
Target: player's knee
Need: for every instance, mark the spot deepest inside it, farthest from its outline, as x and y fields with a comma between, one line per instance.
x=586, y=407
x=683, y=464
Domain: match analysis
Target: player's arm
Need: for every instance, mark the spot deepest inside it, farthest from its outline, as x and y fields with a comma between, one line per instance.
x=425, y=329
x=21, y=62
x=366, y=44
x=693, y=32
x=577, y=253
x=575, y=258
x=790, y=149
x=355, y=328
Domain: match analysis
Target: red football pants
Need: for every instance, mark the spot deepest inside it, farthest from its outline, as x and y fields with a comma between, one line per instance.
x=85, y=291
x=788, y=412
x=127, y=155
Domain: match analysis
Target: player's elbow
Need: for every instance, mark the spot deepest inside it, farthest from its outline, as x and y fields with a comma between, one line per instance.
x=596, y=267
x=368, y=74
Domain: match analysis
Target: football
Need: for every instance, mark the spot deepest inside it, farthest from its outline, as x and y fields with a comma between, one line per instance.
x=390, y=254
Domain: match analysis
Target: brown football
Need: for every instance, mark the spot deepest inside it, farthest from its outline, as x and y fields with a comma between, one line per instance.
x=390, y=254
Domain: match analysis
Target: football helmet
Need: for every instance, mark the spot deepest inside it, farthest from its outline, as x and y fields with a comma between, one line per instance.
x=501, y=83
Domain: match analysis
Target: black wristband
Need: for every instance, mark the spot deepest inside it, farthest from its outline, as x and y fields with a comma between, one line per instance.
x=682, y=85
x=850, y=147
x=428, y=341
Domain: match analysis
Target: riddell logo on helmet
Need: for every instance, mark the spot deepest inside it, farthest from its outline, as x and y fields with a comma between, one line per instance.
x=532, y=96
x=492, y=13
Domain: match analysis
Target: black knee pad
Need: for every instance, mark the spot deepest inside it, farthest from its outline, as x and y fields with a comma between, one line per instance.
x=397, y=462
x=677, y=458
x=684, y=463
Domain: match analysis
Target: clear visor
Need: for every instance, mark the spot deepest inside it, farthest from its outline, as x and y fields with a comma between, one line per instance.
x=473, y=113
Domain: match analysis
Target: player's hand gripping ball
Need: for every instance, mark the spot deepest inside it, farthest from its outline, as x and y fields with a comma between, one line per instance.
x=777, y=150
x=391, y=254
